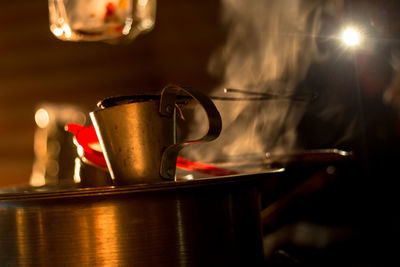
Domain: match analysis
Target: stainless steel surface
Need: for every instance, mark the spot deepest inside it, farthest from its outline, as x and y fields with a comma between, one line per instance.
x=208, y=222
x=260, y=162
x=132, y=137
x=137, y=138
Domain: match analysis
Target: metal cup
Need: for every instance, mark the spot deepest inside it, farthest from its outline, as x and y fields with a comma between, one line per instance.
x=138, y=134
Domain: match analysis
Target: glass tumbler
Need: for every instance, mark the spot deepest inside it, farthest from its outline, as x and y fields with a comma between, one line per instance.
x=111, y=21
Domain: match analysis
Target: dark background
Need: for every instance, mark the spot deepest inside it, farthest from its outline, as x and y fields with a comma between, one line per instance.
x=35, y=67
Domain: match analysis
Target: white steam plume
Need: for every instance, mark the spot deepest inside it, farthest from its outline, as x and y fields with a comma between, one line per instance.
x=269, y=48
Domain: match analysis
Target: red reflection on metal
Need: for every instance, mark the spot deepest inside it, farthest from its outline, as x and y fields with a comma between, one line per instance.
x=87, y=138
x=202, y=167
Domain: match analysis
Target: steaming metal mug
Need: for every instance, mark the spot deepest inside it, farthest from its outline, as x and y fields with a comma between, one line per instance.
x=137, y=134
x=112, y=21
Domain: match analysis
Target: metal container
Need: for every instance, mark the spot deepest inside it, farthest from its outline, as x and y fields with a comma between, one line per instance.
x=205, y=222
x=138, y=134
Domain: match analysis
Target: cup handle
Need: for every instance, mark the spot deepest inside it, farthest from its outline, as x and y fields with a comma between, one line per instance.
x=167, y=106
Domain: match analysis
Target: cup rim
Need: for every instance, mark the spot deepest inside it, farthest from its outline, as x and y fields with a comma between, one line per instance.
x=128, y=99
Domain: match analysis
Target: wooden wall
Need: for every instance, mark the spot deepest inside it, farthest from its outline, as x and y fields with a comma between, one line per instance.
x=35, y=67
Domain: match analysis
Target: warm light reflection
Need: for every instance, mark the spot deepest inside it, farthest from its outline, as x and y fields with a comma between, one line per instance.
x=95, y=147
x=42, y=118
x=351, y=37
x=21, y=234
x=37, y=177
x=188, y=177
x=77, y=170
x=142, y=2
x=147, y=23
x=64, y=29
x=57, y=31
x=80, y=151
x=127, y=27
x=67, y=30
x=107, y=232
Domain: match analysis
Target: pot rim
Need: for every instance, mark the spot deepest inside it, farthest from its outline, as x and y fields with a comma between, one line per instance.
x=41, y=193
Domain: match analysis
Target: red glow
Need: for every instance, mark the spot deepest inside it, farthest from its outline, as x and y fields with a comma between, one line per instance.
x=86, y=136
x=202, y=168
x=110, y=9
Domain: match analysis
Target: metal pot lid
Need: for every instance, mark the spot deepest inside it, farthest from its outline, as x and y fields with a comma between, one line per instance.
x=51, y=192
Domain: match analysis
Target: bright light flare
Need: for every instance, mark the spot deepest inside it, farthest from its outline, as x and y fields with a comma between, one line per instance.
x=351, y=37
x=42, y=118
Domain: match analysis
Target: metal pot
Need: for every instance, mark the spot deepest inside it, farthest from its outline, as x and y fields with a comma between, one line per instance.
x=206, y=222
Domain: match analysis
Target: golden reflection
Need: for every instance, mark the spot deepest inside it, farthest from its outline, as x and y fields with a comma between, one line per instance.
x=44, y=235
x=21, y=234
x=63, y=30
x=37, y=177
x=106, y=235
x=30, y=230
x=84, y=234
x=142, y=2
x=77, y=170
x=127, y=27
x=67, y=30
x=98, y=233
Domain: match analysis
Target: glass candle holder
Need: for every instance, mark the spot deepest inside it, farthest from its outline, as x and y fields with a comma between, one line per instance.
x=101, y=20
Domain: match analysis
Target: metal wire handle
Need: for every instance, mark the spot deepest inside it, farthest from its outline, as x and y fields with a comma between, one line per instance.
x=167, y=107
x=265, y=96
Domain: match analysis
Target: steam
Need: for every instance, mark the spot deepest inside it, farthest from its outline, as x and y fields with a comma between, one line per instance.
x=269, y=48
